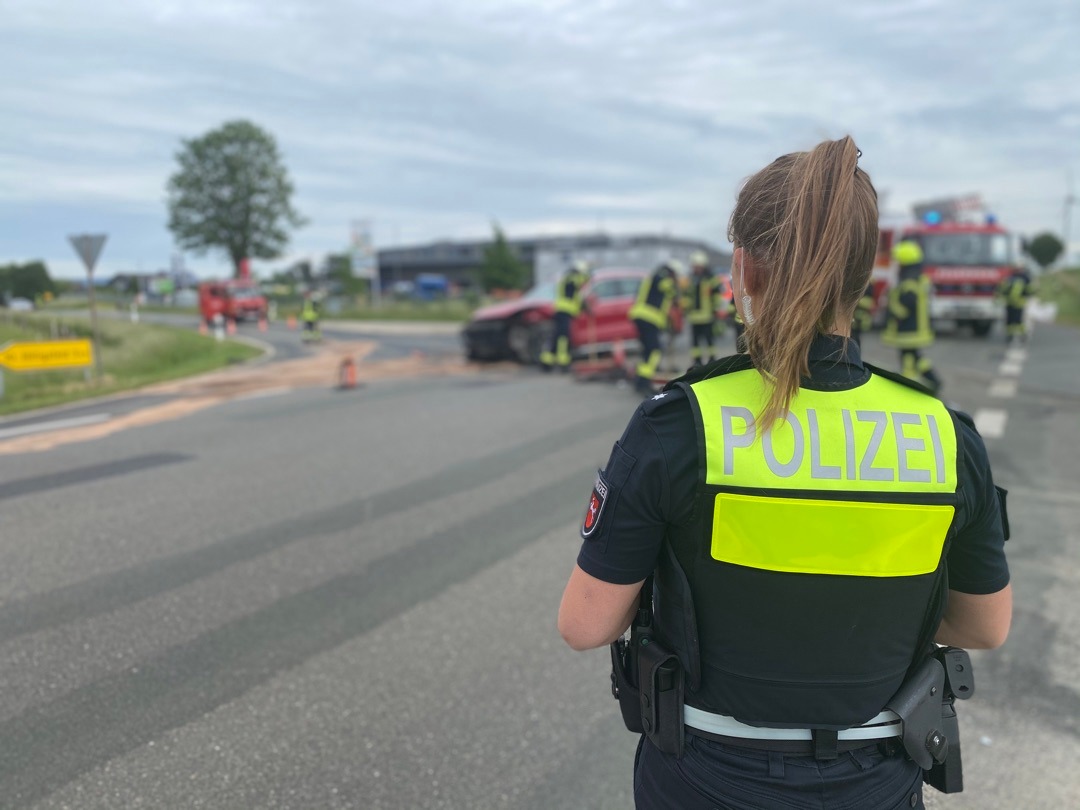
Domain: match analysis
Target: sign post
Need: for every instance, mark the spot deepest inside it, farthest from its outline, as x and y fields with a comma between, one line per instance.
x=88, y=246
x=365, y=262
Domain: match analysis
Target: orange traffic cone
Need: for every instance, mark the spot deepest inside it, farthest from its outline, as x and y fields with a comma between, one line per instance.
x=290, y=322
x=347, y=374
x=263, y=326
x=202, y=327
x=230, y=327
x=618, y=353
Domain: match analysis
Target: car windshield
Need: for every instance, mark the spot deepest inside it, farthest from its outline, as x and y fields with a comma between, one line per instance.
x=541, y=292
x=965, y=248
x=243, y=293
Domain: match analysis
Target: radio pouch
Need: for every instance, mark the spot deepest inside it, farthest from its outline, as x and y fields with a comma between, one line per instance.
x=661, y=694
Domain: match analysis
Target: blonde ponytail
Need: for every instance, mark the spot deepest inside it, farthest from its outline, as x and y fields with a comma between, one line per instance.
x=809, y=223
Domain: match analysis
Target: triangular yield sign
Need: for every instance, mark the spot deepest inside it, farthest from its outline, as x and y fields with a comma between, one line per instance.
x=88, y=246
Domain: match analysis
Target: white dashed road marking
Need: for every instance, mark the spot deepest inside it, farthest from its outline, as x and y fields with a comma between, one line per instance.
x=55, y=424
x=1003, y=389
x=991, y=422
x=1010, y=368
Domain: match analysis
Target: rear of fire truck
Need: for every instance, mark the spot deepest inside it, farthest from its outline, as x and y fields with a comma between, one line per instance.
x=966, y=255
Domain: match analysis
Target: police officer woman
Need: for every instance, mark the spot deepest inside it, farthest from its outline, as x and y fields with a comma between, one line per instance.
x=797, y=510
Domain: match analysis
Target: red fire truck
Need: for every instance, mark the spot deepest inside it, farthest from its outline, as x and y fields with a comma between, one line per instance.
x=966, y=255
x=234, y=300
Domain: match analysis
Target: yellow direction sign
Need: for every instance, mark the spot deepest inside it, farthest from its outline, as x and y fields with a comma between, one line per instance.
x=47, y=354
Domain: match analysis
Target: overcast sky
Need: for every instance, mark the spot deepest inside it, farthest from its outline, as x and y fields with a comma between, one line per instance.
x=433, y=118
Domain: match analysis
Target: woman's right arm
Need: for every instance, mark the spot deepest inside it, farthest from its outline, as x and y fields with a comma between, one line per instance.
x=976, y=621
x=979, y=609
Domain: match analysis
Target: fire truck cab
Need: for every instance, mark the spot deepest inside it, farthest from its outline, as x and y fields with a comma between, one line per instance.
x=965, y=258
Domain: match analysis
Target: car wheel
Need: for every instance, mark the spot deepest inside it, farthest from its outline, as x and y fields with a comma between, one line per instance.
x=981, y=328
x=527, y=341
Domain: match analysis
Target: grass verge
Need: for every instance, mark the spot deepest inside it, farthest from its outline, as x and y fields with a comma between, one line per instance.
x=1062, y=287
x=132, y=356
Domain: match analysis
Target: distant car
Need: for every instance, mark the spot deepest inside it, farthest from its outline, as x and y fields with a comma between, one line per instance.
x=521, y=329
x=20, y=305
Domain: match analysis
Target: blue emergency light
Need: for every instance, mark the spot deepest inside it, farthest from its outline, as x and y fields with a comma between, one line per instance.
x=991, y=219
x=932, y=217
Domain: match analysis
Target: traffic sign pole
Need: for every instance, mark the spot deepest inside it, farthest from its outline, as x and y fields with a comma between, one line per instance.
x=88, y=246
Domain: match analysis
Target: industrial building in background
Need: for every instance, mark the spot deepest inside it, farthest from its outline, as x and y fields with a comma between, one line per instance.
x=545, y=256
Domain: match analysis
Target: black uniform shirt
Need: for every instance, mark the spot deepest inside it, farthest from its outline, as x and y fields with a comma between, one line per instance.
x=652, y=475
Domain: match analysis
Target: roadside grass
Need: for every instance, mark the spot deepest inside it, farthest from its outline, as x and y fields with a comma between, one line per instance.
x=132, y=356
x=1062, y=287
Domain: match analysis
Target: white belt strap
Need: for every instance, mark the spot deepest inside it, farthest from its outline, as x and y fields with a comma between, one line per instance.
x=885, y=725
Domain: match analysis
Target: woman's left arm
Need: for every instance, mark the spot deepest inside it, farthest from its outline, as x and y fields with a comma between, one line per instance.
x=594, y=613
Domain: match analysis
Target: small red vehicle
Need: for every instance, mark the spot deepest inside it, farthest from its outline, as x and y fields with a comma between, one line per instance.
x=236, y=300
x=521, y=329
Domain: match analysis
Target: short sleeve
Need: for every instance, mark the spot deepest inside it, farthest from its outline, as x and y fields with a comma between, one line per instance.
x=621, y=542
x=976, y=559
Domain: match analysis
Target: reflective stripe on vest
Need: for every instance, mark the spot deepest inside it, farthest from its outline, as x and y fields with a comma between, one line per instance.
x=568, y=293
x=703, y=301
x=654, y=300
x=913, y=331
x=851, y=483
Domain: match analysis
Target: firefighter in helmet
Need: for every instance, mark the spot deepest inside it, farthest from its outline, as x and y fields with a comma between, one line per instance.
x=702, y=301
x=908, y=327
x=569, y=301
x=650, y=314
x=1014, y=293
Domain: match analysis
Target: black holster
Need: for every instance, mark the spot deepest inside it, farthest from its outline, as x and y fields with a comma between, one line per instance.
x=647, y=680
x=947, y=775
x=926, y=705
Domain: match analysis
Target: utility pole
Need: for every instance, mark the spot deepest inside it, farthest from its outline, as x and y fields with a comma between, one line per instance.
x=1066, y=219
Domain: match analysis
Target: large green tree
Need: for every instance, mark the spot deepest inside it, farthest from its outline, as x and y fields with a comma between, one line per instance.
x=501, y=268
x=28, y=280
x=232, y=193
x=1045, y=248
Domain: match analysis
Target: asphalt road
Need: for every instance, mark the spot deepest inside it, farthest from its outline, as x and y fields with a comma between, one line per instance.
x=347, y=599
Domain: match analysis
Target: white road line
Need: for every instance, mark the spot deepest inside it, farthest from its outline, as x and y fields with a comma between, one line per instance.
x=1016, y=355
x=1010, y=368
x=56, y=424
x=1003, y=389
x=991, y=422
x=269, y=392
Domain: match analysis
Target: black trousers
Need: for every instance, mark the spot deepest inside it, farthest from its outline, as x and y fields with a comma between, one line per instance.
x=713, y=775
x=919, y=368
x=649, y=336
x=701, y=342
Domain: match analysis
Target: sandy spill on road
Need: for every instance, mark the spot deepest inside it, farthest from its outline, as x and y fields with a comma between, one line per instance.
x=322, y=369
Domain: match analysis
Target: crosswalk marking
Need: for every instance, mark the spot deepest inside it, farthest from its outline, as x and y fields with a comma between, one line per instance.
x=1003, y=389
x=991, y=422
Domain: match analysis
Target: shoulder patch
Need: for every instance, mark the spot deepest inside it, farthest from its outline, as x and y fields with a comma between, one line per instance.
x=595, y=509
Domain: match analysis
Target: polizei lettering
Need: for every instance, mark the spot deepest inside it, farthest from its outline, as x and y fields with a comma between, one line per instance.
x=853, y=445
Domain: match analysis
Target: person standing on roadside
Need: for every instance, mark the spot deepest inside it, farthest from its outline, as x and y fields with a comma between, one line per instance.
x=908, y=327
x=569, y=300
x=787, y=532
x=1014, y=292
x=650, y=314
x=702, y=300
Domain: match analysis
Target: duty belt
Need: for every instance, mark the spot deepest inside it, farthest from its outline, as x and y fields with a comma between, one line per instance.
x=821, y=743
